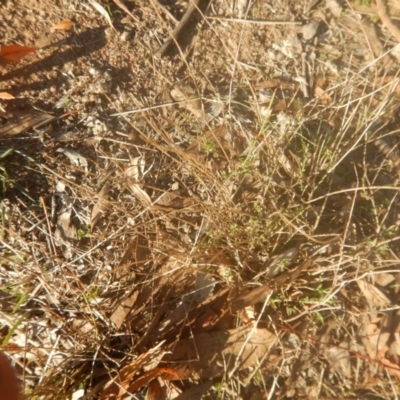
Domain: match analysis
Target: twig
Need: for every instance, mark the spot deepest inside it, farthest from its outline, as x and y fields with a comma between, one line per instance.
x=254, y=21
x=123, y=7
x=172, y=103
x=386, y=20
x=53, y=246
x=194, y=5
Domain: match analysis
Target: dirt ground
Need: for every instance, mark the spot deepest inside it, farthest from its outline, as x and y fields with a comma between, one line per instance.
x=219, y=220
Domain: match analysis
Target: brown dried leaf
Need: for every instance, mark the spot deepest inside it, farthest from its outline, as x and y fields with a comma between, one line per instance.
x=101, y=207
x=134, y=172
x=339, y=357
x=17, y=122
x=260, y=293
x=103, y=12
x=186, y=95
x=392, y=367
x=154, y=391
x=383, y=279
x=135, y=256
x=220, y=136
x=123, y=310
x=123, y=7
x=195, y=392
x=6, y=96
x=204, y=288
x=140, y=194
x=213, y=354
x=64, y=25
x=322, y=94
x=15, y=52
x=374, y=297
x=144, y=379
x=117, y=386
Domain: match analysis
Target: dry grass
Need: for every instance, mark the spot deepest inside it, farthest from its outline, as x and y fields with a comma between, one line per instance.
x=229, y=237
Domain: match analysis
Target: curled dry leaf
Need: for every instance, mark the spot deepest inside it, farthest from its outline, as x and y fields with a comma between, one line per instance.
x=15, y=52
x=102, y=11
x=134, y=172
x=6, y=96
x=117, y=386
x=64, y=25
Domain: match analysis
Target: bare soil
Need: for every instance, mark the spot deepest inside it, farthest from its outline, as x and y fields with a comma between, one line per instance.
x=221, y=221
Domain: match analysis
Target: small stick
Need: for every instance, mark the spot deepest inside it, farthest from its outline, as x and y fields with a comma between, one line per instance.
x=123, y=7
x=193, y=6
x=386, y=20
x=254, y=21
x=53, y=246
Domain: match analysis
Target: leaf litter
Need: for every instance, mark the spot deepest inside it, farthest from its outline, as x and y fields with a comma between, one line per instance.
x=187, y=249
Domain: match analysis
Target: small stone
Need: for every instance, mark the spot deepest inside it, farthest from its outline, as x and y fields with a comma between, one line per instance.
x=309, y=30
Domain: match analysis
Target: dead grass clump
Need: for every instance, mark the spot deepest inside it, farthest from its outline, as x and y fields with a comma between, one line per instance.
x=225, y=226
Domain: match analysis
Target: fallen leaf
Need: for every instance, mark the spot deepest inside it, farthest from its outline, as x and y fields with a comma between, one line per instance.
x=76, y=158
x=135, y=257
x=134, y=172
x=392, y=367
x=17, y=122
x=144, y=379
x=6, y=96
x=374, y=296
x=188, y=99
x=101, y=207
x=322, y=94
x=103, y=12
x=384, y=279
x=154, y=391
x=64, y=25
x=339, y=359
x=117, y=386
x=195, y=392
x=204, y=288
x=213, y=354
x=123, y=7
x=124, y=309
x=15, y=52
x=279, y=263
